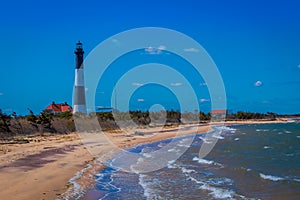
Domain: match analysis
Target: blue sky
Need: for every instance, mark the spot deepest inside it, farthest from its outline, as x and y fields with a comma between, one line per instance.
x=249, y=41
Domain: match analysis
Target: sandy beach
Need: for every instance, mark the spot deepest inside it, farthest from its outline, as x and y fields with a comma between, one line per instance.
x=42, y=168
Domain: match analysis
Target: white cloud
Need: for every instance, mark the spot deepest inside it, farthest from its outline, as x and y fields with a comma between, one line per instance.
x=141, y=100
x=176, y=84
x=194, y=50
x=155, y=50
x=150, y=50
x=115, y=41
x=137, y=84
x=204, y=100
x=258, y=83
x=203, y=84
x=162, y=47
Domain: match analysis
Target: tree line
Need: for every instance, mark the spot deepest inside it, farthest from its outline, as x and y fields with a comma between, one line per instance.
x=63, y=123
x=45, y=122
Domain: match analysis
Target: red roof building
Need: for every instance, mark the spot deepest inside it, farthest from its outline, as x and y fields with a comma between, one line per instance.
x=59, y=108
x=218, y=115
x=218, y=112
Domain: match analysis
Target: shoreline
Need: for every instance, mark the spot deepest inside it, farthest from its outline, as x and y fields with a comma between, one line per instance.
x=206, y=127
x=45, y=167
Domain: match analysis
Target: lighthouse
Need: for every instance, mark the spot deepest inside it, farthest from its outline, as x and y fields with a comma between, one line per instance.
x=79, y=105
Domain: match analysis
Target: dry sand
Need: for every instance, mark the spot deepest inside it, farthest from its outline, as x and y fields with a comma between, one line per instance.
x=42, y=168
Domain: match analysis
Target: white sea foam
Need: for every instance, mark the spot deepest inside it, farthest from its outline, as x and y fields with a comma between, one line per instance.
x=236, y=139
x=270, y=177
x=297, y=180
x=262, y=130
x=204, y=140
x=207, y=162
x=173, y=150
x=226, y=128
x=147, y=155
x=77, y=190
x=188, y=171
x=298, y=136
x=218, y=136
x=203, y=161
x=171, y=161
x=184, y=140
x=220, y=181
x=161, y=145
x=267, y=147
x=217, y=193
x=171, y=164
x=183, y=145
x=287, y=131
x=146, y=184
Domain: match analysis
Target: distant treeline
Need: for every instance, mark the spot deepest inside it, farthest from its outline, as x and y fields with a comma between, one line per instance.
x=63, y=123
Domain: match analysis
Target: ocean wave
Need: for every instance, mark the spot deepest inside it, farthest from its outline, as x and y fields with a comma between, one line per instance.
x=104, y=182
x=220, y=181
x=270, y=177
x=236, y=139
x=161, y=144
x=207, y=162
x=185, y=140
x=77, y=190
x=226, y=128
x=171, y=164
x=203, y=161
x=183, y=145
x=287, y=131
x=262, y=130
x=289, y=154
x=147, y=155
x=298, y=136
x=188, y=171
x=267, y=147
x=174, y=150
x=296, y=180
x=146, y=184
x=204, y=140
x=216, y=192
x=218, y=136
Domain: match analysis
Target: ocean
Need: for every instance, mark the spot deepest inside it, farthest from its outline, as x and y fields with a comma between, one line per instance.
x=258, y=161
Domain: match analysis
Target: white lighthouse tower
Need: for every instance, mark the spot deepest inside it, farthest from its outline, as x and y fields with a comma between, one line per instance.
x=79, y=104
